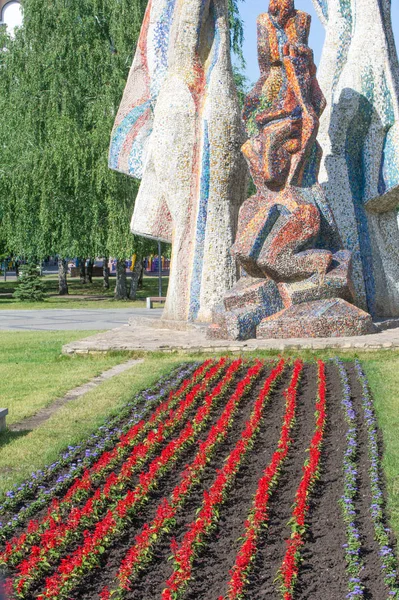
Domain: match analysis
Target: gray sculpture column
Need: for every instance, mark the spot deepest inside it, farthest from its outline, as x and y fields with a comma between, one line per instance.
x=179, y=131
x=359, y=133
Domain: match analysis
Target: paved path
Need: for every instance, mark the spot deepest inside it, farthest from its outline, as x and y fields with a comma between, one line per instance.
x=69, y=319
x=142, y=336
x=45, y=413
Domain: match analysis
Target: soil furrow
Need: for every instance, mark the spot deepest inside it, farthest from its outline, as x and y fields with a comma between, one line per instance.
x=272, y=545
x=211, y=574
x=322, y=573
x=164, y=490
x=133, y=482
x=151, y=581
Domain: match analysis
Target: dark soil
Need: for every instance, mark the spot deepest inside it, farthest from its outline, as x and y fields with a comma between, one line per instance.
x=273, y=544
x=151, y=581
x=151, y=584
x=134, y=479
x=213, y=573
x=322, y=574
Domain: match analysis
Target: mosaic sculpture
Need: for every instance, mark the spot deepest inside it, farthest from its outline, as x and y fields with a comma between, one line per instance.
x=179, y=130
x=297, y=279
x=359, y=133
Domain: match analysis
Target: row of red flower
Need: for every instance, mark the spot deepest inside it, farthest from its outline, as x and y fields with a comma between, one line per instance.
x=258, y=515
x=185, y=553
x=56, y=538
x=140, y=553
x=104, y=528
x=88, y=555
x=311, y=469
x=17, y=546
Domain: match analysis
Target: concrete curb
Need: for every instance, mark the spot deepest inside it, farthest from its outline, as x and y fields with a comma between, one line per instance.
x=142, y=338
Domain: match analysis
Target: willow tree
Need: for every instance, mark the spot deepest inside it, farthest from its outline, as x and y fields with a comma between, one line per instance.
x=62, y=79
x=61, y=82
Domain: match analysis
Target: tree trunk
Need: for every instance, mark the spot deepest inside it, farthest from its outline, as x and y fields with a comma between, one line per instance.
x=82, y=266
x=62, y=277
x=90, y=270
x=105, y=273
x=141, y=276
x=134, y=279
x=120, y=287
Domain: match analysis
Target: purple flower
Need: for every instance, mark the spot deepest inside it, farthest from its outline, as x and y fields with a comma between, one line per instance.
x=353, y=545
x=388, y=560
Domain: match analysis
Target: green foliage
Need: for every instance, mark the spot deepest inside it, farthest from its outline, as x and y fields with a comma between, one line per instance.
x=62, y=79
x=236, y=30
x=242, y=85
x=30, y=287
x=64, y=75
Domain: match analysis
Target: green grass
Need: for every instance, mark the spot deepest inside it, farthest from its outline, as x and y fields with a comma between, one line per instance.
x=383, y=375
x=23, y=453
x=33, y=373
x=89, y=291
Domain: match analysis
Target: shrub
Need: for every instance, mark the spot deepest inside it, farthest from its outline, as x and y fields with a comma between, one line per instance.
x=30, y=286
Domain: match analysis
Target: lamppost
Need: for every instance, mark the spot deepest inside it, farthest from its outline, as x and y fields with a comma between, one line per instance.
x=159, y=270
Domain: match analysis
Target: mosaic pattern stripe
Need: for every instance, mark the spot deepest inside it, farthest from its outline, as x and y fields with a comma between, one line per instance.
x=179, y=130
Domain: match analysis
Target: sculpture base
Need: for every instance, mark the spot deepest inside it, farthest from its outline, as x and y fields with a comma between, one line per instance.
x=336, y=283
x=323, y=318
x=256, y=308
x=243, y=308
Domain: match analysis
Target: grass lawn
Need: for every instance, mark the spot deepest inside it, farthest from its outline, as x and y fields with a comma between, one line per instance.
x=33, y=372
x=382, y=370
x=89, y=291
x=22, y=453
x=25, y=452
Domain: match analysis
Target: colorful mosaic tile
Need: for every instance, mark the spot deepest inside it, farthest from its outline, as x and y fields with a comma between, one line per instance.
x=287, y=235
x=179, y=130
x=359, y=134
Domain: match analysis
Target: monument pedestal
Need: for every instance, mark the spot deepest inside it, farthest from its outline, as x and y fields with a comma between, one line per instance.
x=332, y=317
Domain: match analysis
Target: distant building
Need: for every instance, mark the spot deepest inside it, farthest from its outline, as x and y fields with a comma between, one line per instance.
x=10, y=14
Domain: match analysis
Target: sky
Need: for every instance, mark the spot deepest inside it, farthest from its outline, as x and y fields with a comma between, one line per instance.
x=250, y=9
x=12, y=15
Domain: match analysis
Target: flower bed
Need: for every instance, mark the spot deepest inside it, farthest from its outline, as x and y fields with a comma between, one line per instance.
x=258, y=515
x=209, y=465
x=290, y=566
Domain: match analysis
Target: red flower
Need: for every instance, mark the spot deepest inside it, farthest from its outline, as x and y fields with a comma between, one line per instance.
x=258, y=514
x=289, y=569
x=212, y=498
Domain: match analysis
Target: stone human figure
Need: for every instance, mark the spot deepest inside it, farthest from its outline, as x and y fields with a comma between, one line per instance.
x=359, y=134
x=297, y=280
x=282, y=117
x=286, y=102
x=179, y=130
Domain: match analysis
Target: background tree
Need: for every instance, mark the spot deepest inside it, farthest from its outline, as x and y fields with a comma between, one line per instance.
x=64, y=76
x=61, y=82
